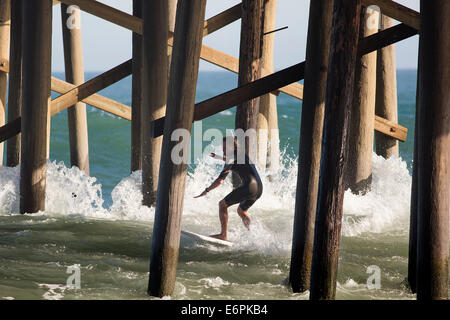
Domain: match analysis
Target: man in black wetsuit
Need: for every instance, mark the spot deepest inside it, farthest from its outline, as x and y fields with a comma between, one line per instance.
x=246, y=194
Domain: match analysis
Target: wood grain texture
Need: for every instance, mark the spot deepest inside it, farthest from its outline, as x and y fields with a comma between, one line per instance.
x=397, y=11
x=5, y=21
x=310, y=147
x=95, y=100
x=180, y=114
x=37, y=44
x=386, y=94
x=339, y=97
x=74, y=70
x=156, y=20
x=249, y=68
x=358, y=173
x=267, y=122
x=136, y=94
x=15, y=82
x=90, y=87
x=433, y=151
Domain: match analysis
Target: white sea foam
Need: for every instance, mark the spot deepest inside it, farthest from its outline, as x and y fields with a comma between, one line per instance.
x=70, y=192
x=214, y=282
x=226, y=113
x=9, y=190
x=54, y=292
x=127, y=199
x=386, y=207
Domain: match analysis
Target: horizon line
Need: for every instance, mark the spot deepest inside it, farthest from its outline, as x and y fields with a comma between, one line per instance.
x=208, y=70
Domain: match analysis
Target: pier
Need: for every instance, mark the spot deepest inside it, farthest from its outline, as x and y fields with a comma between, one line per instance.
x=349, y=110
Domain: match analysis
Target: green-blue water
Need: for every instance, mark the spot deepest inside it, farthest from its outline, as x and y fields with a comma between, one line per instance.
x=108, y=233
x=109, y=136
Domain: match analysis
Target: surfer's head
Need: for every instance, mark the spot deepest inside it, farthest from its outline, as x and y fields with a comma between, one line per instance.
x=229, y=145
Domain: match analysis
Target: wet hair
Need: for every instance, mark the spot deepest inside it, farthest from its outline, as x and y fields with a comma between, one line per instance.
x=235, y=142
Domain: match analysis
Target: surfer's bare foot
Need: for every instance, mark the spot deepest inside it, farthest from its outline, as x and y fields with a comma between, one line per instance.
x=219, y=236
x=245, y=218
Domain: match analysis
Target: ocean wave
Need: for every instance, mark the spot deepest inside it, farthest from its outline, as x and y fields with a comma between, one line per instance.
x=70, y=192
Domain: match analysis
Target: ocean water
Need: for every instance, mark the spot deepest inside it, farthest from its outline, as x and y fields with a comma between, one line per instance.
x=107, y=233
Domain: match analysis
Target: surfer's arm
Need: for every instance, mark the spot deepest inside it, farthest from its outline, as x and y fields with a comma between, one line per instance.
x=215, y=156
x=214, y=185
x=226, y=170
x=218, y=181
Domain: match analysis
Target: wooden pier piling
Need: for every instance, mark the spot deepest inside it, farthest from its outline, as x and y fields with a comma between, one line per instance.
x=15, y=82
x=358, y=173
x=336, y=128
x=37, y=40
x=74, y=69
x=155, y=63
x=179, y=115
x=412, y=248
x=338, y=105
x=172, y=14
x=5, y=20
x=267, y=125
x=386, y=93
x=316, y=67
x=249, y=68
x=433, y=151
x=137, y=95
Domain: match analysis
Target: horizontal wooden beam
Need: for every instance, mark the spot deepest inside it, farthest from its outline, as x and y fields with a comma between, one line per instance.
x=390, y=128
x=207, y=53
x=134, y=24
x=90, y=87
x=10, y=129
x=386, y=37
x=231, y=63
x=239, y=95
x=259, y=87
x=95, y=100
x=266, y=85
x=108, y=13
x=84, y=92
x=222, y=19
x=4, y=65
x=249, y=91
x=397, y=11
x=294, y=90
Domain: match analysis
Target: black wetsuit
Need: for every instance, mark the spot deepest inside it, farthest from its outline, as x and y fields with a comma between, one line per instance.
x=251, y=187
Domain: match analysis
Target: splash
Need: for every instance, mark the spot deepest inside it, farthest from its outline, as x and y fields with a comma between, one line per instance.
x=70, y=192
x=386, y=207
x=9, y=190
x=127, y=200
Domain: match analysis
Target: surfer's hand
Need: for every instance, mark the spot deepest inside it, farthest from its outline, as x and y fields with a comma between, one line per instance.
x=215, y=156
x=202, y=194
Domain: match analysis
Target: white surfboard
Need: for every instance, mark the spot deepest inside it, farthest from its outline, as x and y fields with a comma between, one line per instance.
x=205, y=239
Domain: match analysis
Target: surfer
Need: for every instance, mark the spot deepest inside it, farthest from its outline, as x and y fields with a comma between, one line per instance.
x=246, y=194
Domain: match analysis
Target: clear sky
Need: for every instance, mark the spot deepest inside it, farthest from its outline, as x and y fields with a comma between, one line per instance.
x=106, y=45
